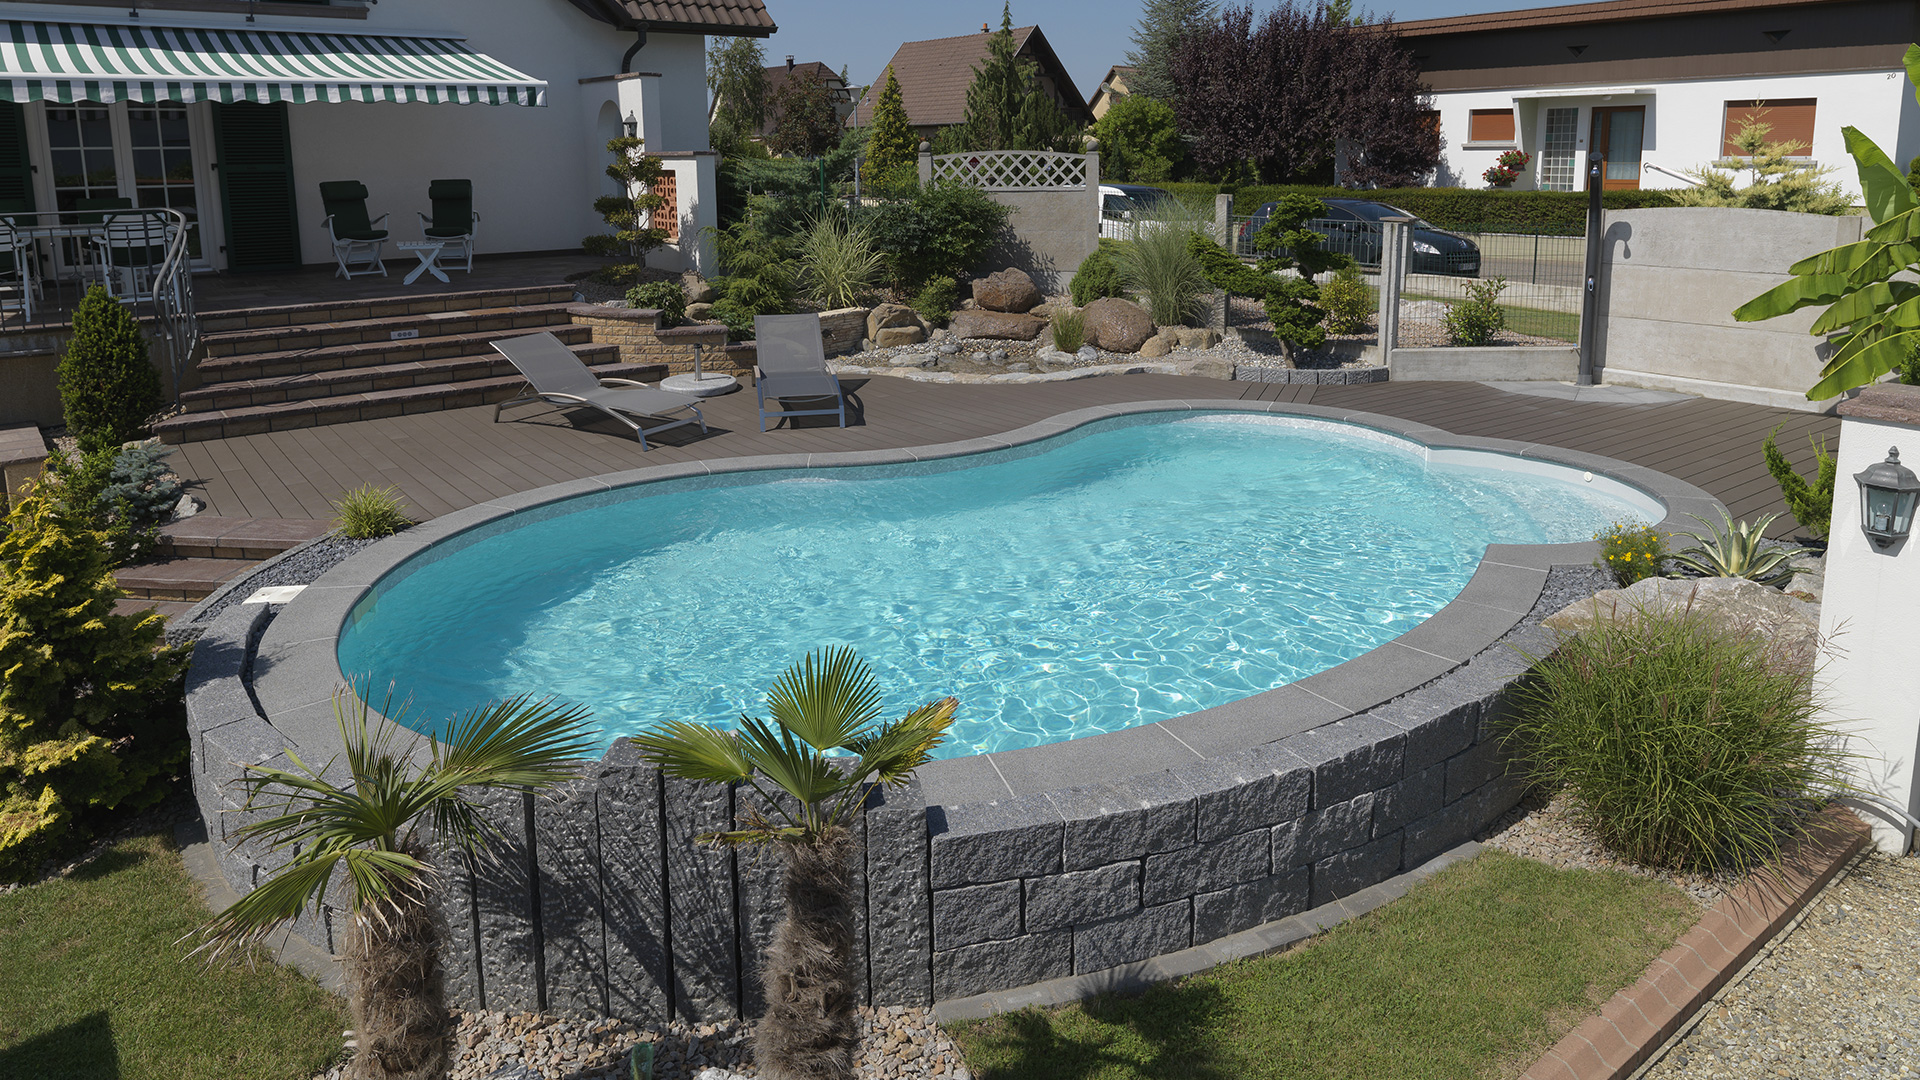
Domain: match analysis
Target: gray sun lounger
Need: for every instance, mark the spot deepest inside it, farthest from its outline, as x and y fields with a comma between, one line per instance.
x=554, y=374
x=791, y=364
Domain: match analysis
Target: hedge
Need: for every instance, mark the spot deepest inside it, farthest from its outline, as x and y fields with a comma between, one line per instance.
x=1449, y=208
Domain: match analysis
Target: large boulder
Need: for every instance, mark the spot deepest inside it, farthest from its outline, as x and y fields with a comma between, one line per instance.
x=1003, y=325
x=887, y=315
x=1155, y=347
x=1008, y=290
x=900, y=335
x=1118, y=325
x=697, y=289
x=1790, y=626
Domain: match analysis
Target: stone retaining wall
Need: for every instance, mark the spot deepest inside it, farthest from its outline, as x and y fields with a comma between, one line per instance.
x=642, y=340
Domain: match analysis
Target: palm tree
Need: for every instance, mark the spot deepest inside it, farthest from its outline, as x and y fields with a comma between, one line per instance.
x=813, y=767
x=371, y=829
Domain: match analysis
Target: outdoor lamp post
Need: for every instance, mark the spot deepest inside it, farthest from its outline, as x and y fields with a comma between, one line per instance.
x=1888, y=490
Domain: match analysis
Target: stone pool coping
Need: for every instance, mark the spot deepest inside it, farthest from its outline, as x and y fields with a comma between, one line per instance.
x=296, y=666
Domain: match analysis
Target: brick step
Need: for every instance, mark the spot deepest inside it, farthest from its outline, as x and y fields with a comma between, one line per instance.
x=360, y=380
x=205, y=536
x=226, y=369
x=373, y=404
x=344, y=310
x=179, y=579
x=320, y=335
x=171, y=609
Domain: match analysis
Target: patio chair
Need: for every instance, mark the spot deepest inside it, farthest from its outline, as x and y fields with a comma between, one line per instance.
x=555, y=375
x=453, y=221
x=792, y=366
x=16, y=262
x=132, y=247
x=85, y=250
x=356, y=240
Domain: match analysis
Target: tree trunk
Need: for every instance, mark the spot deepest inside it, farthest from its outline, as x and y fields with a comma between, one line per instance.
x=398, y=993
x=808, y=1032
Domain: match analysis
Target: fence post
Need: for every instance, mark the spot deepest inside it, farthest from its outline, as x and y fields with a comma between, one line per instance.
x=926, y=163
x=1393, y=244
x=1590, y=293
x=1222, y=234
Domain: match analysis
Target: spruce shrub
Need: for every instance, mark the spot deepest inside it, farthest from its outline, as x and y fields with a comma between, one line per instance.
x=125, y=495
x=91, y=714
x=1098, y=275
x=937, y=299
x=108, y=388
x=666, y=297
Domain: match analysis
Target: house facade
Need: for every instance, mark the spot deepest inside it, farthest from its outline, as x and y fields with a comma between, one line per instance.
x=934, y=76
x=1111, y=89
x=234, y=112
x=1662, y=86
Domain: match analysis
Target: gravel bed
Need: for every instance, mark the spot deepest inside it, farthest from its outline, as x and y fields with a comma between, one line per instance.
x=1838, y=998
x=302, y=566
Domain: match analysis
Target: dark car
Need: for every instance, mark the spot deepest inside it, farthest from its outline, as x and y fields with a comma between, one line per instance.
x=1352, y=226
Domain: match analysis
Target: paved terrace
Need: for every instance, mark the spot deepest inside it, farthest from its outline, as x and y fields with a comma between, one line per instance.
x=443, y=461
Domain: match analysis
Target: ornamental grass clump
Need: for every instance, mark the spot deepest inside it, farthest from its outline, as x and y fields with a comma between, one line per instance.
x=1069, y=329
x=1682, y=744
x=1157, y=263
x=367, y=512
x=1631, y=552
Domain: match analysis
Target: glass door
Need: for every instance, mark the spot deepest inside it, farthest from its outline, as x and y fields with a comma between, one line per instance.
x=1618, y=131
x=161, y=146
x=1556, y=149
x=139, y=155
x=85, y=169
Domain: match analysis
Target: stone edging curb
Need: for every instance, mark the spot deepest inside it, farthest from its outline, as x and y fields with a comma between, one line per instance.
x=1259, y=941
x=1638, y=1021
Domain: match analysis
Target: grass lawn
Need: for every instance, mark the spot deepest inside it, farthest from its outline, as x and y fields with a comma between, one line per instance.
x=1474, y=973
x=94, y=985
x=1534, y=322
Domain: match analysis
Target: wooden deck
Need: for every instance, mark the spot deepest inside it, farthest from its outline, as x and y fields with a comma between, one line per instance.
x=443, y=461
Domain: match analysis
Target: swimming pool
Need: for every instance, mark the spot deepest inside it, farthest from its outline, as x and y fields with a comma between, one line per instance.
x=1129, y=571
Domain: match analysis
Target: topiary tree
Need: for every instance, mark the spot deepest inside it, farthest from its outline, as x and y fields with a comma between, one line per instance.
x=630, y=213
x=892, y=147
x=108, y=388
x=1292, y=303
x=90, y=710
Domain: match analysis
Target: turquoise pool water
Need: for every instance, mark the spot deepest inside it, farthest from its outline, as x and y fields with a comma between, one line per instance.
x=1128, y=572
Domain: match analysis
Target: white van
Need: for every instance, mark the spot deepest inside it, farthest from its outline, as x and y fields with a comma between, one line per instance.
x=1120, y=202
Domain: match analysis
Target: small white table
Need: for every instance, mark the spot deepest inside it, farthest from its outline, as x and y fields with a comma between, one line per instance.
x=428, y=252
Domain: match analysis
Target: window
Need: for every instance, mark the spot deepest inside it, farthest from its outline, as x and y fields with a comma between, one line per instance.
x=1790, y=120
x=1556, y=150
x=1490, y=126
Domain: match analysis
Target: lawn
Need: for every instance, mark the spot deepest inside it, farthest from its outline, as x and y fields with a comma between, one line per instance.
x=1474, y=973
x=1533, y=322
x=97, y=987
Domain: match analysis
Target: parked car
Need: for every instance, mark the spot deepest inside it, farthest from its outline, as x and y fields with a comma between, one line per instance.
x=1353, y=226
x=1119, y=203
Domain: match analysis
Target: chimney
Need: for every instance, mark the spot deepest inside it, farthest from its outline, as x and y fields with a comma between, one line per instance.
x=789, y=61
x=983, y=29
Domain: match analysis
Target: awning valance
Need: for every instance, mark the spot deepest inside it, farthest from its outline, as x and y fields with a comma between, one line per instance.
x=69, y=62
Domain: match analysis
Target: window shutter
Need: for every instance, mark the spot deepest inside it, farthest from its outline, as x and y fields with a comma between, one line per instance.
x=1790, y=118
x=1490, y=125
x=256, y=186
x=16, y=173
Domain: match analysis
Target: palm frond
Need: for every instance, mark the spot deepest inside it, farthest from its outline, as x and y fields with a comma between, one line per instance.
x=891, y=754
x=825, y=699
x=794, y=767
x=694, y=752
x=521, y=743
x=275, y=902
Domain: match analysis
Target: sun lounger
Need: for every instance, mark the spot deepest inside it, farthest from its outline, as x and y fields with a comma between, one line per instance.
x=555, y=375
x=791, y=364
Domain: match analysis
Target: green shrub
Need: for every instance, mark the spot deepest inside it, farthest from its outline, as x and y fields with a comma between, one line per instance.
x=124, y=495
x=1098, y=276
x=1347, y=301
x=1069, y=330
x=943, y=230
x=666, y=297
x=1910, y=365
x=367, y=512
x=1683, y=746
x=1158, y=264
x=937, y=299
x=737, y=317
x=108, y=388
x=91, y=714
x=1809, y=501
x=1630, y=552
x=839, y=263
x=1562, y=212
x=1475, y=320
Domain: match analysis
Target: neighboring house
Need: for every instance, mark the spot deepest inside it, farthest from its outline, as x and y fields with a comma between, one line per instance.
x=1662, y=85
x=234, y=111
x=1111, y=89
x=934, y=76
x=776, y=78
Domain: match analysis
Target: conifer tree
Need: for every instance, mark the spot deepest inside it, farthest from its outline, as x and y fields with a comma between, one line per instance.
x=1775, y=179
x=1006, y=107
x=1162, y=24
x=108, y=388
x=891, y=144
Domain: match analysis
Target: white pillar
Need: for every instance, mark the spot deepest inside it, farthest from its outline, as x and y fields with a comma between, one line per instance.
x=1870, y=618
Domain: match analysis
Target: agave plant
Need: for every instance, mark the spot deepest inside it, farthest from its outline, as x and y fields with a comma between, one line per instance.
x=371, y=829
x=1737, y=549
x=813, y=766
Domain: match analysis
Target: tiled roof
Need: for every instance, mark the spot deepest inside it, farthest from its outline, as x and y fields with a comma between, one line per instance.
x=934, y=76
x=1575, y=14
x=747, y=18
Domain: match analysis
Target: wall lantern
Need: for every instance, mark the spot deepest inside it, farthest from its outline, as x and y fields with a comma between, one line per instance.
x=632, y=124
x=1888, y=491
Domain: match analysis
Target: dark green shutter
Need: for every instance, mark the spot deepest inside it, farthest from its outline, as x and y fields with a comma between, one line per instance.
x=256, y=186
x=16, y=173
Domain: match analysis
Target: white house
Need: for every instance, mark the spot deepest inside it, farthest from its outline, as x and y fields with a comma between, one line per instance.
x=234, y=111
x=1661, y=86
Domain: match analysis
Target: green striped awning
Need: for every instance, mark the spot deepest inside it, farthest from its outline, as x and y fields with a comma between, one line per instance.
x=69, y=62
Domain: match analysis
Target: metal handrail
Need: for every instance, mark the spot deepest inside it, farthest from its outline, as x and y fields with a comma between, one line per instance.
x=173, y=306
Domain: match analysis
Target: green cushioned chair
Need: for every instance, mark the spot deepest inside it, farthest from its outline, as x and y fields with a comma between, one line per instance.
x=356, y=238
x=453, y=221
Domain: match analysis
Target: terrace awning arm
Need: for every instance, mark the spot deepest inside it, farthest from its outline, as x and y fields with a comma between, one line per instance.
x=67, y=62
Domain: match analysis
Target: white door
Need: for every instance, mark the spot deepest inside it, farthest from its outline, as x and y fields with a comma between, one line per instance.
x=150, y=155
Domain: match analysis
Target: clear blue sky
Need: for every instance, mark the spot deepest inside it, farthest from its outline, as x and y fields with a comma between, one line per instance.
x=1089, y=35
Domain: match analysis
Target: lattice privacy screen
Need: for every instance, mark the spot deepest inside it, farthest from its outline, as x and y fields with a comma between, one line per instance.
x=1013, y=170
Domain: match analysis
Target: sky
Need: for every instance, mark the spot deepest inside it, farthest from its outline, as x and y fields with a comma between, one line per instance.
x=1089, y=35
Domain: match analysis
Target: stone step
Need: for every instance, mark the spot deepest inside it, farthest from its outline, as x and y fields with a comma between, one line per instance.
x=171, y=609
x=381, y=330
x=205, y=536
x=345, y=310
x=359, y=380
x=179, y=579
x=373, y=404
x=227, y=369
